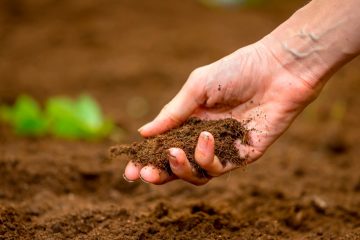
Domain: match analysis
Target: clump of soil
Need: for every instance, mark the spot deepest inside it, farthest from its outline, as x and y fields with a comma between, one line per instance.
x=154, y=150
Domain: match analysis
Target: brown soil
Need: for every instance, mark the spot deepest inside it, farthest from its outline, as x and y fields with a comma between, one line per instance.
x=133, y=56
x=153, y=150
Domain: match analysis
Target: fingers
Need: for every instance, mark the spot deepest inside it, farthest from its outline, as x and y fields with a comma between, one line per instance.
x=181, y=167
x=172, y=115
x=178, y=109
x=154, y=175
x=205, y=157
x=148, y=174
x=132, y=172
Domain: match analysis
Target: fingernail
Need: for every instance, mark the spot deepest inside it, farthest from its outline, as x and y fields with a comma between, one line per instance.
x=203, y=144
x=141, y=178
x=174, y=162
x=126, y=179
x=143, y=127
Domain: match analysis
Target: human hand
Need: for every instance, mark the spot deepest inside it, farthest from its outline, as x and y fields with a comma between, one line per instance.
x=249, y=84
x=267, y=84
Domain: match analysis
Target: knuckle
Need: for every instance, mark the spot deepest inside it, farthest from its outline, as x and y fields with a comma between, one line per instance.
x=168, y=113
x=205, y=163
x=197, y=72
x=202, y=158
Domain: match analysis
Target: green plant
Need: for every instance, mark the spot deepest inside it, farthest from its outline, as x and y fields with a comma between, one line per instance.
x=25, y=117
x=63, y=117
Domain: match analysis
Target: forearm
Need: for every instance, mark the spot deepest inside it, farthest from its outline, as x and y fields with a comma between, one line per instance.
x=317, y=40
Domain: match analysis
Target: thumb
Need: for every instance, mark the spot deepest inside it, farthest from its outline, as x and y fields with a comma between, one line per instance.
x=178, y=109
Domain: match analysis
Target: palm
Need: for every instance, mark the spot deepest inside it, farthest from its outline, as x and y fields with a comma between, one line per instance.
x=254, y=90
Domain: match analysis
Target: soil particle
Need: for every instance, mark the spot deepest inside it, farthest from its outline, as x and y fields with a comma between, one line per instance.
x=336, y=145
x=319, y=204
x=154, y=150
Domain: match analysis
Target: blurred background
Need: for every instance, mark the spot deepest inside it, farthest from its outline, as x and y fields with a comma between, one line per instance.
x=133, y=57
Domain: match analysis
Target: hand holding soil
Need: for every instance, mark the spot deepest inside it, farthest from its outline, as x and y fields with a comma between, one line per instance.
x=266, y=84
x=155, y=150
x=248, y=86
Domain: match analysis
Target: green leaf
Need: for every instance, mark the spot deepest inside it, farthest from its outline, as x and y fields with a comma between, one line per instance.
x=25, y=117
x=89, y=113
x=63, y=118
x=77, y=119
x=90, y=118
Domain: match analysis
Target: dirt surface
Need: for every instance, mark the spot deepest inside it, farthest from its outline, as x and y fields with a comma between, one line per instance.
x=154, y=150
x=133, y=56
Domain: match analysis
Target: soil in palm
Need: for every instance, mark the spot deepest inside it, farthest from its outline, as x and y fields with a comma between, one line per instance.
x=154, y=150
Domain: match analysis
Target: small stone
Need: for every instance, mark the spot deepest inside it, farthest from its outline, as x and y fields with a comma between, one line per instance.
x=319, y=204
x=56, y=228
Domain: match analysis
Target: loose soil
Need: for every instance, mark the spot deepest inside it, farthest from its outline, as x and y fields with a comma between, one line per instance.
x=133, y=56
x=154, y=150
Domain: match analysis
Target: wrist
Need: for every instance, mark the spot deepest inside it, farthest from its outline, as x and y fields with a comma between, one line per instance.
x=316, y=40
x=299, y=58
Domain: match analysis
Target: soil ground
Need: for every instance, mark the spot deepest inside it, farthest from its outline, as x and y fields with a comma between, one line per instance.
x=133, y=56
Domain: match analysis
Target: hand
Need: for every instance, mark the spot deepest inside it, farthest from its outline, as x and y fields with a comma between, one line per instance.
x=268, y=83
x=250, y=84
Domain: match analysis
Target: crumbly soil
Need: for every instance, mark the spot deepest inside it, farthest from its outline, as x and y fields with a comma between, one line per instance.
x=154, y=150
x=133, y=56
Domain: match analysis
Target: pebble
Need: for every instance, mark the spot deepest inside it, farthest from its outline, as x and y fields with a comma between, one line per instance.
x=319, y=204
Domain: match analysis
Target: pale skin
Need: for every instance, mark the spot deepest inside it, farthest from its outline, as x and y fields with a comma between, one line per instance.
x=269, y=82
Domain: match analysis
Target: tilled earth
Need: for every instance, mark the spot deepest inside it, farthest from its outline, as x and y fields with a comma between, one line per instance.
x=133, y=56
